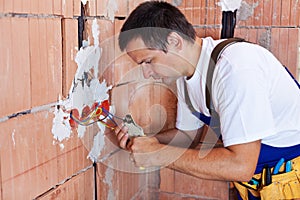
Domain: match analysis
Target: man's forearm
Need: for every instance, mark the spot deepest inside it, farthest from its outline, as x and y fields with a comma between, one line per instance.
x=236, y=162
x=180, y=138
x=214, y=164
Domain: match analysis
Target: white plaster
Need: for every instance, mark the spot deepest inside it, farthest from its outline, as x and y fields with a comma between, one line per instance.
x=109, y=173
x=230, y=5
x=95, y=32
x=84, y=2
x=61, y=128
x=62, y=146
x=13, y=137
x=246, y=10
x=85, y=43
x=98, y=145
x=85, y=91
x=81, y=131
x=112, y=7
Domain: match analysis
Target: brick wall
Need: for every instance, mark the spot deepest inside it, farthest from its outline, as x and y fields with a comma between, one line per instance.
x=39, y=43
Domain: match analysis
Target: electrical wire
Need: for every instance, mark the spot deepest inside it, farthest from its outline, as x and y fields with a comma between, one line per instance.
x=96, y=114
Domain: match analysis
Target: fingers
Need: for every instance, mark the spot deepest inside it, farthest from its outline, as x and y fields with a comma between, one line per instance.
x=122, y=136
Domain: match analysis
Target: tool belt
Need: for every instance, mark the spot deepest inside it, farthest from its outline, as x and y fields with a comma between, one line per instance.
x=283, y=185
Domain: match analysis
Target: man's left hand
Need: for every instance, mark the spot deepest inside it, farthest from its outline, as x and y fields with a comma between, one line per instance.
x=146, y=152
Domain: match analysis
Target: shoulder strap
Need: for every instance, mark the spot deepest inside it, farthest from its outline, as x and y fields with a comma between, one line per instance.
x=214, y=57
x=211, y=67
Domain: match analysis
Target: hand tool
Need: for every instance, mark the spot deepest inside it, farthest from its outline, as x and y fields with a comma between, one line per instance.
x=266, y=176
x=277, y=166
x=134, y=130
x=288, y=166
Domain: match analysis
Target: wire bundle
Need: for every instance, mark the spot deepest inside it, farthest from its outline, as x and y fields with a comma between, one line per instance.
x=99, y=113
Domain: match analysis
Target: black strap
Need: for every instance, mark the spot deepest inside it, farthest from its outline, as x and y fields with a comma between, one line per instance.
x=211, y=67
x=199, y=115
x=187, y=99
x=214, y=57
x=214, y=120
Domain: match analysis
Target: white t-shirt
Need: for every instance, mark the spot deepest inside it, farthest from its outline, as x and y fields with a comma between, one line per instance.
x=252, y=93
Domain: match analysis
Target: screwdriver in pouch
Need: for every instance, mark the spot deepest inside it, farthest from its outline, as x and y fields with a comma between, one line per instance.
x=266, y=178
x=278, y=165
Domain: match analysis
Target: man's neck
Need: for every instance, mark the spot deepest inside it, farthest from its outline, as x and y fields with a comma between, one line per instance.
x=193, y=55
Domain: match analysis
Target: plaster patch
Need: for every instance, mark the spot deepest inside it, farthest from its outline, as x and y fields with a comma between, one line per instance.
x=229, y=5
x=86, y=90
x=109, y=173
x=13, y=137
x=177, y=2
x=62, y=146
x=246, y=10
x=112, y=7
x=96, y=32
x=84, y=2
x=61, y=128
x=97, y=146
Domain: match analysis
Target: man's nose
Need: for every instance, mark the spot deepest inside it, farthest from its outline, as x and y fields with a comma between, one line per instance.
x=147, y=70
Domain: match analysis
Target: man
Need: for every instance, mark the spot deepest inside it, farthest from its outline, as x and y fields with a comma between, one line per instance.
x=257, y=101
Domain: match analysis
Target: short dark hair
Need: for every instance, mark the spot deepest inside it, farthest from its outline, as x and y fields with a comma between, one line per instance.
x=153, y=21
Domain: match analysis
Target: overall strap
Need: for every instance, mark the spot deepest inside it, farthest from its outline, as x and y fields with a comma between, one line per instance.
x=199, y=115
x=297, y=83
x=215, y=55
x=212, y=121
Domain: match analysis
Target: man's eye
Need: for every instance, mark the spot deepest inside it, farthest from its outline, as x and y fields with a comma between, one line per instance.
x=148, y=62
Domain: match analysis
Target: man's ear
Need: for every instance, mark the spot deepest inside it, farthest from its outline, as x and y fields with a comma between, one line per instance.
x=175, y=41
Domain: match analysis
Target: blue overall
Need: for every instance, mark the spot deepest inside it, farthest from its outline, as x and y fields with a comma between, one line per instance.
x=268, y=155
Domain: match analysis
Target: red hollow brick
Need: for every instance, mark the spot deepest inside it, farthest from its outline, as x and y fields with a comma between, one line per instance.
x=79, y=187
x=258, y=13
x=294, y=13
x=285, y=13
x=186, y=184
x=283, y=45
x=276, y=8
x=122, y=8
x=77, y=8
x=45, y=7
x=91, y=7
x=70, y=46
x=46, y=60
x=2, y=6
x=196, y=16
x=167, y=183
x=6, y=71
x=267, y=13
x=101, y=7
x=293, y=46
x=57, y=7
x=34, y=6
x=20, y=82
x=275, y=41
x=8, y=6
x=29, y=155
x=67, y=8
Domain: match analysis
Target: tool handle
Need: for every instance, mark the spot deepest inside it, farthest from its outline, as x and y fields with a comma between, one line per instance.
x=288, y=166
x=278, y=165
x=268, y=176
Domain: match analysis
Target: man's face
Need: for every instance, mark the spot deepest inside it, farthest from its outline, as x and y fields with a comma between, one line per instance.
x=155, y=63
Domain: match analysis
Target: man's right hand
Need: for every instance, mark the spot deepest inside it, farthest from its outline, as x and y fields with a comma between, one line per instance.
x=121, y=132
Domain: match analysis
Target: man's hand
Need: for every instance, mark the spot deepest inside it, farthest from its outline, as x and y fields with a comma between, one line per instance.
x=146, y=152
x=122, y=136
